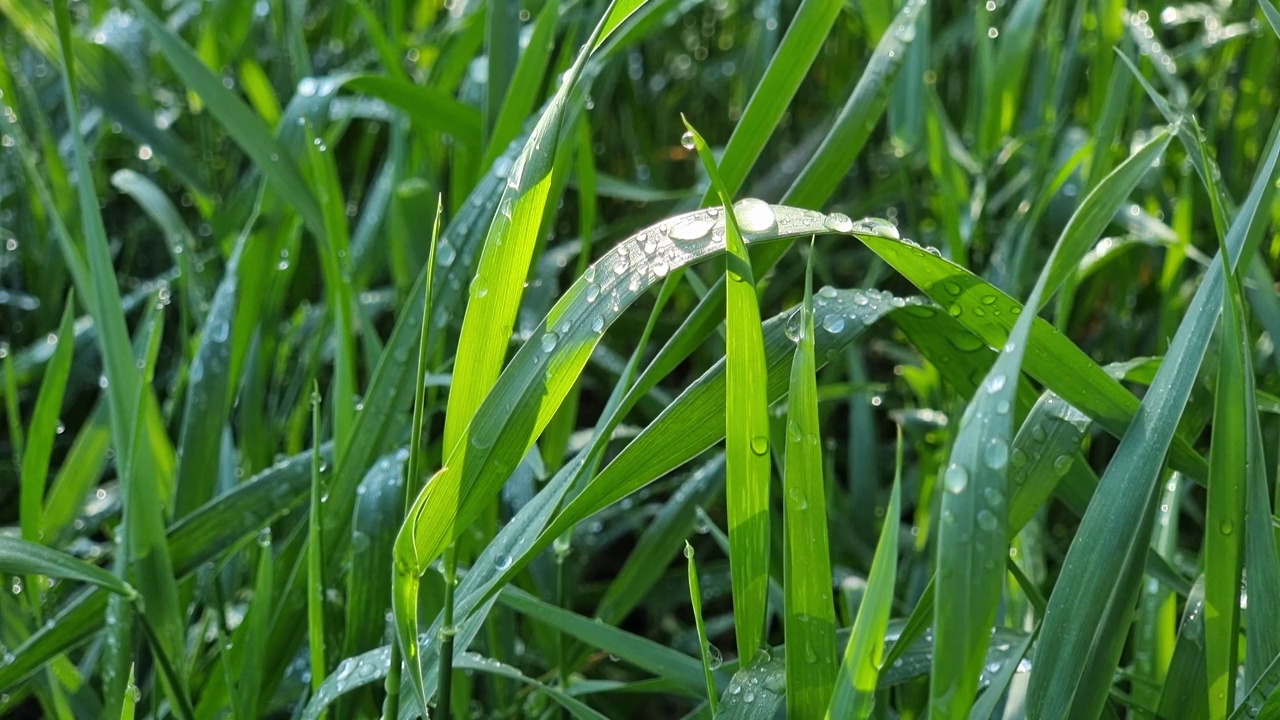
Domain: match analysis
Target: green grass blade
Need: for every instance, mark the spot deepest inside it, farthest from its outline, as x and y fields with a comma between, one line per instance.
x=704, y=645
x=1184, y=689
x=856, y=120
x=1090, y=608
x=775, y=91
x=854, y=695
x=43, y=428
x=618, y=12
x=525, y=82
x=315, y=559
x=972, y=540
x=23, y=557
x=810, y=621
x=747, y=467
x=1229, y=465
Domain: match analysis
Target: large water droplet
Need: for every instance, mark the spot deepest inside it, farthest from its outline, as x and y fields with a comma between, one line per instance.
x=549, y=342
x=955, y=479
x=686, y=141
x=597, y=325
x=759, y=444
x=593, y=292
x=691, y=230
x=1061, y=465
x=754, y=216
x=833, y=324
x=838, y=222
x=714, y=656
x=996, y=454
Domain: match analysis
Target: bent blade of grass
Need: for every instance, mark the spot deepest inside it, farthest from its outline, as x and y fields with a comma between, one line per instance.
x=810, y=620
x=542, y=372
x=855, y=689
x=747, y=468
x=973, y=536
x=617, y=14
x=1091, y=606
x=177, y=237
x=24, y=557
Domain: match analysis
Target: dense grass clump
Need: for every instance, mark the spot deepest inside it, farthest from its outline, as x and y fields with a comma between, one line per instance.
x=637, y=359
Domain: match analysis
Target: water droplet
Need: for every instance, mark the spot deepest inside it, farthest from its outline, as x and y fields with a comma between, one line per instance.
x=593, y=292
x=691, y=230
x=715, y=657
x=878, y=227
x=987, y=521
x=1226, y=527
x=754, y=216
x=953, y=289
x=502, y=562
x=759, y=445
x=833, y=324
x=686, y=140
x=996, y=454
x=994, y=497
x=597, y=325
x=955, y=479
x=954, y=310
x=995, y=383
x=838, y=222
x=797, y=496
x=549, y=342
x=1061, y=465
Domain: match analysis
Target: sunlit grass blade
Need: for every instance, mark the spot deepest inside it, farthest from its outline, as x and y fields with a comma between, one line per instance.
x=391, y=706
x=704, y=645
x=781, y=80
x=855, y=688
x=1091, y=605
x=810, y=621
x=747, y=468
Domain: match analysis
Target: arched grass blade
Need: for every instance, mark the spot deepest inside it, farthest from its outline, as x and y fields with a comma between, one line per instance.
x=23, y=557
x=855, y=689
x=810, y=621
x=1091, y=606
x=747, y=468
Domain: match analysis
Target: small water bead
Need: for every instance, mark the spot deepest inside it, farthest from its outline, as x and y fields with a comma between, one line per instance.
x=994, y=497
x=996, y=453
x=995, y=384
x=1061, y=465
x=661, y=267
x=838, y=222
x=759, y=445
x=502, y=562
x=827, y=292
x=955, y=479
x=1226, y=527
x=952, y=288
x=954, y=310
x=593, y=292
x=1038, y=434
x=597, y=325
x=714, y=657
x=797, y=496
x=833, y=324
x=687, y=141
x=691, y=230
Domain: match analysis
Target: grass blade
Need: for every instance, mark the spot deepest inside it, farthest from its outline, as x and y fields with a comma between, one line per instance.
x=854, y=695
x=747, y=467
x=704, y=646
x=23, y=557
x=810, y=622
x=43, y=427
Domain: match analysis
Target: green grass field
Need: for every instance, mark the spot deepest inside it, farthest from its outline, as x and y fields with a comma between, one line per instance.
x=562, y=359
